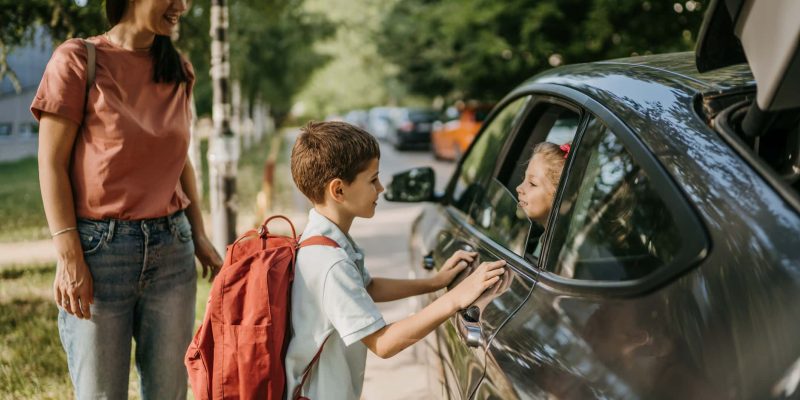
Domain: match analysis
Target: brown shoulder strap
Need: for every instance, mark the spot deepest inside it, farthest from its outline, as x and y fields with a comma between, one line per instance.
x=91, y=63
x=313, y=241
x=307, y=371
x=318, y=241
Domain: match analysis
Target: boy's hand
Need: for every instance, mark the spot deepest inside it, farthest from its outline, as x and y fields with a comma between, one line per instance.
x=486, y=275
x=452, y=267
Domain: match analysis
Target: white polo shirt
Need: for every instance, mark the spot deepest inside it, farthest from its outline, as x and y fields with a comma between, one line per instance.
x=329, y=297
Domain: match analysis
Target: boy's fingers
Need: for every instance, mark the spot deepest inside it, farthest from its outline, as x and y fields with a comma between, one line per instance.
x=491, y=282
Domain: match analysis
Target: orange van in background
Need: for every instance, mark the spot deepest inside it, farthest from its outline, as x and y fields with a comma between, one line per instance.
x=449, y=140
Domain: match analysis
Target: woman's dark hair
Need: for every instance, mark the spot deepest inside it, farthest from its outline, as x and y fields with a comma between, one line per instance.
x=168, y=66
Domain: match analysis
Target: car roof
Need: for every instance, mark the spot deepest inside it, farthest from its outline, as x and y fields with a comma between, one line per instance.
x=676, y=70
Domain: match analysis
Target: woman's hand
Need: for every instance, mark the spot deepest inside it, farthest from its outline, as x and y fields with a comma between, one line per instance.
x=452, y=267
x=208, y=256
x=486, y=275
x=73, y=286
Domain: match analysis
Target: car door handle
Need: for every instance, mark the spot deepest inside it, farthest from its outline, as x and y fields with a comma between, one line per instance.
x=428, y=262
x=469, y=327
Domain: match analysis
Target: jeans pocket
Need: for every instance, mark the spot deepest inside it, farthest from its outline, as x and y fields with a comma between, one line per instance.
x=92, y=235
x=183, y=229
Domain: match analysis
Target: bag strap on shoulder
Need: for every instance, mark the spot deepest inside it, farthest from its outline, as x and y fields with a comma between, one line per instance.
x=91, y=63
x=299, y=389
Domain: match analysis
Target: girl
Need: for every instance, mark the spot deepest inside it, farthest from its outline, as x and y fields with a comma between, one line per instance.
x=538, y=188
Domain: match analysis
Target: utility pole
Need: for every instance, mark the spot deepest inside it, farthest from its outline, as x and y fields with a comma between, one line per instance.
x=223, y=153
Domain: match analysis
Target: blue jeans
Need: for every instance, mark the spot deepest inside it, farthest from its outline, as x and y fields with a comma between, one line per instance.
x=144, y=289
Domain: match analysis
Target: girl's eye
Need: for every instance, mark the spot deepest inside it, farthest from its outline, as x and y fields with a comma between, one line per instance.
x=531, y=183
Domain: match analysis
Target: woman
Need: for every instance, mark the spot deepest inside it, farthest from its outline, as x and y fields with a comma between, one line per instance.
x=121, y=202
x=538, y=188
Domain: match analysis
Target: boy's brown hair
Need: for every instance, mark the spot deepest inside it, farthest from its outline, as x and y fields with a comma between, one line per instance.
x=328, y=150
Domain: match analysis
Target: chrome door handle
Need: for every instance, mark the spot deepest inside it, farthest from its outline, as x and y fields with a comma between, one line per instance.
x=469, y=327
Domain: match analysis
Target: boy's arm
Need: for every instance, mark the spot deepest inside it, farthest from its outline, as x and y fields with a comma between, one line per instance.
x=393, y=338
x=384, y=289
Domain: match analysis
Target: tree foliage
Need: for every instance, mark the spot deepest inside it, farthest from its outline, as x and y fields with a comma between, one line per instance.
x=271, y=41
x=61, y=19
x=271, y=49
x=481, y=49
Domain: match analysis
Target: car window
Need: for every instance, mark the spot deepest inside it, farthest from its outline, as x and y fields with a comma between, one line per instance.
x=480, y=161
x=612, y=225
x=497, y=215
x=545, y=122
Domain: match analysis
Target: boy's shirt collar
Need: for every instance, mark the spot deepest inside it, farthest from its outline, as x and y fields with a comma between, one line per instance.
x=320, y=225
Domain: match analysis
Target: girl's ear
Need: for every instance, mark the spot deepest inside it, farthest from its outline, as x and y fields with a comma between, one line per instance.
x=336, y=190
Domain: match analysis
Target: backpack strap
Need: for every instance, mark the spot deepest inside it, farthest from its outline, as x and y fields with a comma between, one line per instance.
x=307, y=371
x=312, y=241
x=318, y=241
x=91, y=64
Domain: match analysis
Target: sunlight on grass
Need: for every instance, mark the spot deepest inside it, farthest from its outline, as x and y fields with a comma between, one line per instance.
x=33, y=364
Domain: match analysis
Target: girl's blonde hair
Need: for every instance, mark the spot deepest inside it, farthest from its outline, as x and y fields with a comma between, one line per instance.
x=555, y=157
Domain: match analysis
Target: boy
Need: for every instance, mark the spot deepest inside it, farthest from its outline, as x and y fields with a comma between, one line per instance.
x=335, y=165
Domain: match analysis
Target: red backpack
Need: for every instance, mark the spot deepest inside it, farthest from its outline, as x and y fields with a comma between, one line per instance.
x=238, y=352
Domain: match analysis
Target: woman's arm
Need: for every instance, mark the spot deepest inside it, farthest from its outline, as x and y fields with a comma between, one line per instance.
x=72, y=287
x=383, y=289
x=203, y=248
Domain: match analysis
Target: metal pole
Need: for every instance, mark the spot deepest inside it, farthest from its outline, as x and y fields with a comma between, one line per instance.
x=223, y=153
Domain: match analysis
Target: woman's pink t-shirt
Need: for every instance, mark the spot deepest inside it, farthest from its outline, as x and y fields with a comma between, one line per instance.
x=130, y=152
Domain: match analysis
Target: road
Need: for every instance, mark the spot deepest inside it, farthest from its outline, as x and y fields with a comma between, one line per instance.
x=385, y=239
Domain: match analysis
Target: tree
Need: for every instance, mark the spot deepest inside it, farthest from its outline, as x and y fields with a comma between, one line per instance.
x=61, y=19
x=481, y=49
x=271, y=46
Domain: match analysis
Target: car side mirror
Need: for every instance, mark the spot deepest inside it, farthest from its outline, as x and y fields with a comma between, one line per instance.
x=412, y=186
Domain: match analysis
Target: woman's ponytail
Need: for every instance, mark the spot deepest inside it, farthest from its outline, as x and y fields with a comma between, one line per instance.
x=168, y=66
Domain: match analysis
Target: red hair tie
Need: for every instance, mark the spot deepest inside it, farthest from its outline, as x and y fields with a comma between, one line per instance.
x=565, y=148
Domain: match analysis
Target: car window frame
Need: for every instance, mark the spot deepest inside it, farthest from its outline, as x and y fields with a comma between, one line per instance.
x=512, y=97
x=697, y=242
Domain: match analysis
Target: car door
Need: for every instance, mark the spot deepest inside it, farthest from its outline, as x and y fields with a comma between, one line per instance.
x=440, y=232
x=595, y=326
x=495, y=227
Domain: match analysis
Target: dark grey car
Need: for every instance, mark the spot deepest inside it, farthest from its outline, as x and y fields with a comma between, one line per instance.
x=671, y=268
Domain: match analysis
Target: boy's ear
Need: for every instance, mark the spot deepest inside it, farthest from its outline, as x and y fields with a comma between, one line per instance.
x=336, y=190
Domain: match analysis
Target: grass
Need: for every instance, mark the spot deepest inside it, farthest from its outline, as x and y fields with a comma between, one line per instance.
x=21, y=210
x=33, y=364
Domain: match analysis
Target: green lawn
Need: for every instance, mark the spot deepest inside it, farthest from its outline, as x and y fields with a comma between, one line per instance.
x=21, y=211
x=32, y=362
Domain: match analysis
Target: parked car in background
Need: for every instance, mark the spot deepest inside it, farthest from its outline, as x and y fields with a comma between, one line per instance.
x=379, y=122
x=669, y=267
x=412, y=128
x=358, y=118
x=450, y=139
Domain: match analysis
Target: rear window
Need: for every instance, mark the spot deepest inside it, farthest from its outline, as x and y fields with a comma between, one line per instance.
x=423, y=116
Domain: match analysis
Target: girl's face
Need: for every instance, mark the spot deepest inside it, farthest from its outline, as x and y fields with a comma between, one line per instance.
x=536, y=192
x=158, y=16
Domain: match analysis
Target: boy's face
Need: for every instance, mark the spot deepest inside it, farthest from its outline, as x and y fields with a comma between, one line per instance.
x=361, y=195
